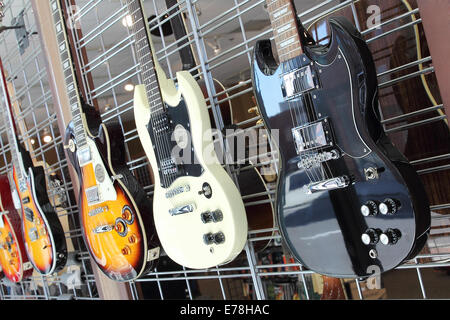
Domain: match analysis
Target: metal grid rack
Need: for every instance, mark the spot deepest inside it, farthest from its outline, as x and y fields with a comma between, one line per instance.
x=25, y=68
x=222, y=35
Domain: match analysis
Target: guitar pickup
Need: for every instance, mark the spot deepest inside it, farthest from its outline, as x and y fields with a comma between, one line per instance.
x=312, y=136
x=328, y=184
x=33, y=234
x=84, y=156
x=92, y=195
x=297, y=82
x=29, y=214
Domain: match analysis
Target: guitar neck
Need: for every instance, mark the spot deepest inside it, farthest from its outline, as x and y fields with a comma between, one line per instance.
x=144, y=52
x=9, y=118
x=69, y=73
x=283, y=19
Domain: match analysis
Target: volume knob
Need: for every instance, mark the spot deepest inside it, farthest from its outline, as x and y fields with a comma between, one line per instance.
x=369, y=208
x=390, y=236
x=388, y=206
x=371, y=236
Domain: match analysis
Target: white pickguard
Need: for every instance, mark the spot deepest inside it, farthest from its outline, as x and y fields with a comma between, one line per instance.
x=106, y=190
x=182, y=235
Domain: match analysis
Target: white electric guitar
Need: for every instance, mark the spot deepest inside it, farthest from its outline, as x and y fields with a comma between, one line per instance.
x=198, y=211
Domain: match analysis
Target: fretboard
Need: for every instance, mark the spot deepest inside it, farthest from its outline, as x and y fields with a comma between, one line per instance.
x=283, y=19
x=69, y=73
x=144, y=55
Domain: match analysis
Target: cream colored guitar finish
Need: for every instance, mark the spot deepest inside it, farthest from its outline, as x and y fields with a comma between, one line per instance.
x=182, y=235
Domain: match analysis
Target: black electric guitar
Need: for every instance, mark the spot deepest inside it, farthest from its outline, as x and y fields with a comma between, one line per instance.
x=348, y=202
x=43, y=234
x=115, y=212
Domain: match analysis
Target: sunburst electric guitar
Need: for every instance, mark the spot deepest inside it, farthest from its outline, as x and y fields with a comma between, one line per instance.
x=348, y=202
x=13, y=257
x=115, y=212
x=43, y=234
x=199, y=214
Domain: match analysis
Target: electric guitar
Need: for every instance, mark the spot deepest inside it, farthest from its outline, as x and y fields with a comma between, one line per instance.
x=13, y=257
x=259, y=215
x=199, y=216
x=348, y=202
x=43, y=234
x=115, y=214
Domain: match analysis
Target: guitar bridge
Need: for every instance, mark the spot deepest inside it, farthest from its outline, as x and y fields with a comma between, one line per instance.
x=328, y=184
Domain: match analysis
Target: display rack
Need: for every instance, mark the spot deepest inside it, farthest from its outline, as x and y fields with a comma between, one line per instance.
x=222, y=35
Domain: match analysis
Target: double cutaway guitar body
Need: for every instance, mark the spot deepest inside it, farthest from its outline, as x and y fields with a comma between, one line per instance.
x=115, y=212
x=198, y=211
x=43, y=234
x=13, y=256
x=349, y=204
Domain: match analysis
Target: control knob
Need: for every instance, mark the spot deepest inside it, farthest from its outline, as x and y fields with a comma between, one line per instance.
x=388, y=206
x=390, y=236
x=371, y=236
x=369, y=208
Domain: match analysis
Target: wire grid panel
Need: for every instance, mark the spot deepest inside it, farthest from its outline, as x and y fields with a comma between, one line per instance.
x=25, y=68
x=221, y=35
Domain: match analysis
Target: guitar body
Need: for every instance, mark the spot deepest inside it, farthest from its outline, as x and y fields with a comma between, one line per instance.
x=320, y=216
x=117, y=229
x=13, y=257
x=43, y=234
x=178, y=215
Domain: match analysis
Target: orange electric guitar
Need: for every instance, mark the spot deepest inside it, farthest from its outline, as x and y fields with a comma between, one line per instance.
x=13, y=258
x=43, y=234
x=115, y=213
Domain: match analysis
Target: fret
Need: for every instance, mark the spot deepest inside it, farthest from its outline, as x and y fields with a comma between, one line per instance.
x=144, y=55
x=68, y=73
x=283, y=20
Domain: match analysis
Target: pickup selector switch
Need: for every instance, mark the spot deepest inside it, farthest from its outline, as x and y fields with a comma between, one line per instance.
x=390, y=236
x=388, y=206
x=370, y=208
x=206, y=190
x=371, y=236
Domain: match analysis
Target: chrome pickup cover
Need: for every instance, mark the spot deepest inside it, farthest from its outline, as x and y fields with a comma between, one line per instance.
x=297, y=82
x=92, y=195
x=312, y=136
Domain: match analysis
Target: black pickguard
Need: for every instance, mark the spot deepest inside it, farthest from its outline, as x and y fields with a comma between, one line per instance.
x=186, y=163
x=323, y=230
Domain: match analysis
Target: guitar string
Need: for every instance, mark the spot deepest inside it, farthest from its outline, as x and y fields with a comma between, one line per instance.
x=155, y=116
x=133, y=8
x=299, y=123
x=297, y=112
x=300, y=105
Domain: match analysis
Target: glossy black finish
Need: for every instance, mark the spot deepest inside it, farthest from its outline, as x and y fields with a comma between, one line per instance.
x=323, y=230
x=54, y=227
